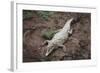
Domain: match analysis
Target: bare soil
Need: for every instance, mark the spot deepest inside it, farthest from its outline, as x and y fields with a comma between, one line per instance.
x=78, y=45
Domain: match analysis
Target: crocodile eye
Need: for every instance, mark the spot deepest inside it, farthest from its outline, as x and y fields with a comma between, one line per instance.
x=46, y=43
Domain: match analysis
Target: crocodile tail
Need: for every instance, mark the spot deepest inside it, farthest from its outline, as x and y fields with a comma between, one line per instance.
x=69, y=21
x=67, y=25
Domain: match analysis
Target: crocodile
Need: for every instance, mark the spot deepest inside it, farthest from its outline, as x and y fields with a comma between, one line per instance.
x=59, y=38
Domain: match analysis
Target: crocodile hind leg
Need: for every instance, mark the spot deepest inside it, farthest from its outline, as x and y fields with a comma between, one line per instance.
x=70, y=31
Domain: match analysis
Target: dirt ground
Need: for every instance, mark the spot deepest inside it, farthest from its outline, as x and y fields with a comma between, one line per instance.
x=78, y=45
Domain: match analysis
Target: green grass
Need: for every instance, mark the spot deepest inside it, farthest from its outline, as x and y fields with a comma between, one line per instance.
x=48, y=34
x=45, y=14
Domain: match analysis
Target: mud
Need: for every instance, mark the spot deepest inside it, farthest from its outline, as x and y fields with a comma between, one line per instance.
x=78, y=45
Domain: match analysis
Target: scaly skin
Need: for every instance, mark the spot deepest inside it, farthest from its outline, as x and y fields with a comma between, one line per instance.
x=59, y=38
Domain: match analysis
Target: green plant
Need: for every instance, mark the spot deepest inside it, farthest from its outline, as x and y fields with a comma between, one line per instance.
x=48, y=34
x=45, y=14
x=27, y=14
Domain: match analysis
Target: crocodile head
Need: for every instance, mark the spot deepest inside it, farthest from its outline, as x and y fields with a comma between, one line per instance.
x=49, y=49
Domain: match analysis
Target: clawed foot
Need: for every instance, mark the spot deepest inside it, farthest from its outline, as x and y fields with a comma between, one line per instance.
x=63, y=47
x=70, y=31
x=45, y=42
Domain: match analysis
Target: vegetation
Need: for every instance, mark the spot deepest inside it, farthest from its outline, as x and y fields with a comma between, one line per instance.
x=27, y=14
x=45, y=14
x=48, y=34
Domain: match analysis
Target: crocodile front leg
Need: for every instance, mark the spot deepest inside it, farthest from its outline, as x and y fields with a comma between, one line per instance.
x=45, y=42
x=63, y=47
